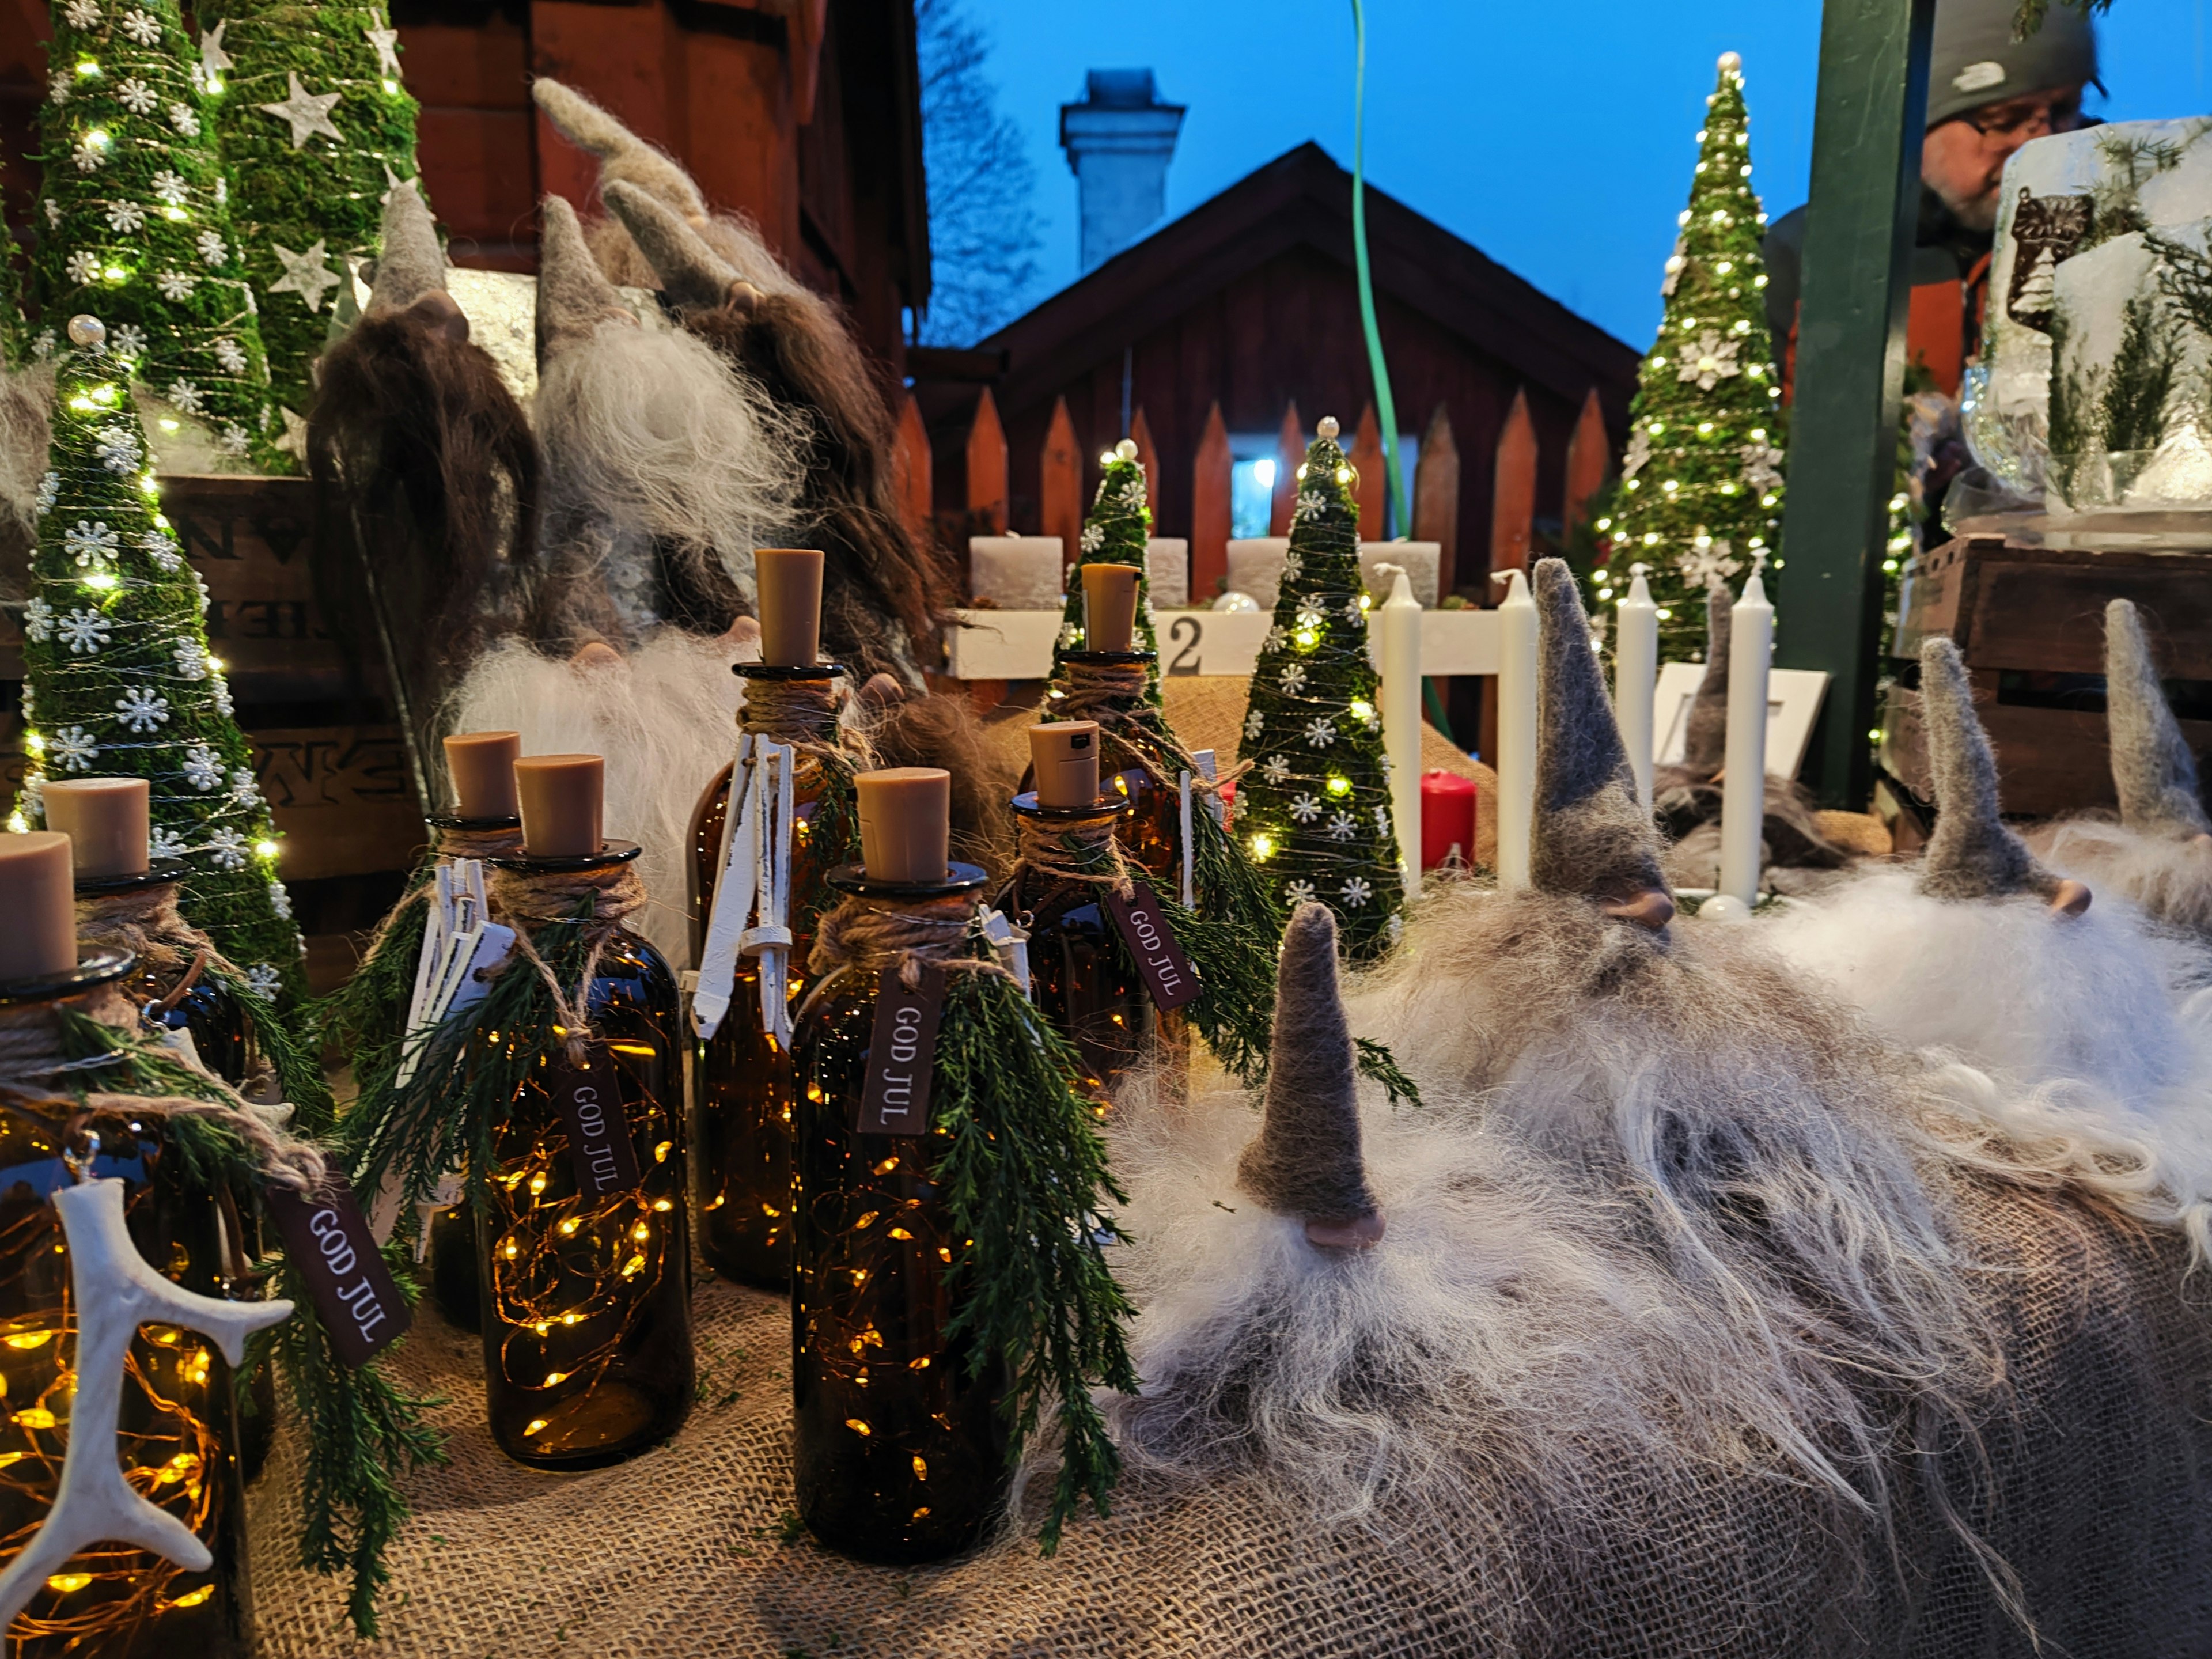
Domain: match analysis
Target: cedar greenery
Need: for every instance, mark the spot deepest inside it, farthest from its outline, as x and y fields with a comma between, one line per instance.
x=134, y=225
x=302, y=201
x=360, y=1430
x=120, y=683
x=1115, y=531
x=1314, y=811
x=1701, y=485
x=1023, y=1178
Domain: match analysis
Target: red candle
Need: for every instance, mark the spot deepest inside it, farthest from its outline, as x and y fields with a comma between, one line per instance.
x=1447, y=817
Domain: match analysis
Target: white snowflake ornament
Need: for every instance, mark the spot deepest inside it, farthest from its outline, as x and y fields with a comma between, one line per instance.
x=129, y=341
x=230, y=356
x=1711, y=361
x=1276, y=769
x=38, y=627
x=89, y=543
x=84, y=632
x=142, y=709
x=1305, y=808
x=1357, y=892
x=1255, y=723
x=118, y=447
x=176, y=284
x=137, y=96
x=123, y=218
x=185, y=397
x=1320, y=733
x=1294, y=678
x=142, y=27
x=202, y=770
x=191, y=658
x=74, y=747
x=227, y=848
x=264, y=979
x=165, y=845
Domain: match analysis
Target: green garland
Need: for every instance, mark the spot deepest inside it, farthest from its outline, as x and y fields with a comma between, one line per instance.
x=360, y=1430
x=1023, y=1178
x=134, y=225
x=1314, y=808
x=120, y=682
x=364, y=1016
x=1115, y=531
x=308, y=206
x=1701, y=484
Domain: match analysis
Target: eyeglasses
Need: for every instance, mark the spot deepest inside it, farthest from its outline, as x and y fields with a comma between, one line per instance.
x=2022, y=119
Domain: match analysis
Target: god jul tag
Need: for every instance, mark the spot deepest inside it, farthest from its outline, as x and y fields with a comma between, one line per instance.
x=1168, y=978
x=590, y=1099
x=327, y=1238
x=902, y=1055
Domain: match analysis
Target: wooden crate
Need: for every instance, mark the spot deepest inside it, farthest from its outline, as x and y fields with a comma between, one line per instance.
x=2024, y=617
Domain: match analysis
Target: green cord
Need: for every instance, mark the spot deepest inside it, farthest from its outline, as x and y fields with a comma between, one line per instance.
x=1385, y=406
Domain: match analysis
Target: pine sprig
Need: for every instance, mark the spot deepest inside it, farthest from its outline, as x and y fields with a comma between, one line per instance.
x=1701, y=485
x=1025, y=1179
x=363, y=1016
x=1116, y=531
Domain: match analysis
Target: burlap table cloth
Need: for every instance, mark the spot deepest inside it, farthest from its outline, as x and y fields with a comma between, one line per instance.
x=2098, y=1480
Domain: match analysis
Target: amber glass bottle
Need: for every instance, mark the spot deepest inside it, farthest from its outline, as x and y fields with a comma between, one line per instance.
x=901, y=1452
x=1110, y=685
x=179, y=1431
x=744, y=1086
x=1081, y=977
x=586, y=1307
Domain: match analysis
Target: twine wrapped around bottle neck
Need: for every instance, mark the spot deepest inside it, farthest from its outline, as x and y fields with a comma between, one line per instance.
x=1060, y=851
x=145, y=921
x=802, y=714
x=1113, y=694
x=533, y=898
x=458, y=842
x=869, y=935
x=33, y=1060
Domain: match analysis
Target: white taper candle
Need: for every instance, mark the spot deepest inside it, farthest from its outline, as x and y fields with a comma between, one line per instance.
x=1516, y=759
x=1400, y=631
x=1743, y=790
x=1635, y=677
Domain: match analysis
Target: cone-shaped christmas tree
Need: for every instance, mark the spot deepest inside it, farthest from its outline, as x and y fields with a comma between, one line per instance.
x=134, y=225
x=120, y=681
x=1314, y=811
x=315, y=128
x=1116, y=531
x=1701, y=484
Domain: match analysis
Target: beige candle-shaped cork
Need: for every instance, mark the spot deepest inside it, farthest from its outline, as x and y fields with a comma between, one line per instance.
x=38, y=895
x=905, y=822
x=1064, y=759
x=108, y=821
x=561, y=798
x=1109, y=606
x=482, y=767
x=790, y=580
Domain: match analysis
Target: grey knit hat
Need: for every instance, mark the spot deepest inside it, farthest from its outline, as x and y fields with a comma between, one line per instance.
x=692, y=275
x=412, y=264
x=1305, y=1161
x=1975, y=60
x=1974, y=853
x=624, y=157
x=574, y=296
x=2153, y=771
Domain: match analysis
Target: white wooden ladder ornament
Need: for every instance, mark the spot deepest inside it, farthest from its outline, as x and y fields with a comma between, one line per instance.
x=754, y=886
x=116, y=1291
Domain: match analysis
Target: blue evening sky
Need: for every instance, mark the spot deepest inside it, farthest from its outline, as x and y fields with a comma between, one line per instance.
x=1557, y=138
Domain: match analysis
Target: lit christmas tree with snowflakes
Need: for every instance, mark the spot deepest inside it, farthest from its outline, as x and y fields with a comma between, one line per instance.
x=120, y=681
x=315, y=128
x=134, y=225
x=1314, y=812
x=1115, y=531
x=1701, y=487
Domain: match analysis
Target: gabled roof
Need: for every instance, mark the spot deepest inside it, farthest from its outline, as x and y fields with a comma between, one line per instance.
x=1302, y=199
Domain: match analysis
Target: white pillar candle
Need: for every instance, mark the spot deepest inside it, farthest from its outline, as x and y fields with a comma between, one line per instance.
x=1743, y=790
x=1418, y=560
x=1167, y=571
x=1516, y=759
x=1015, y=573
x=1635, y=677
x=1400, y=631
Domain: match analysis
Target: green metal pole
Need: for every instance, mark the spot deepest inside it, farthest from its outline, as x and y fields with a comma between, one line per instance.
x=1867, y=127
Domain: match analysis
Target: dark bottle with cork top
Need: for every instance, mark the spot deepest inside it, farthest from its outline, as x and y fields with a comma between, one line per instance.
x=486, y=822
x=178, y=1436
x=900, y=1451
x=582, y=1240
x=1082, y=978
x=125, y=899
x=745, y=1088
x=1106, y=682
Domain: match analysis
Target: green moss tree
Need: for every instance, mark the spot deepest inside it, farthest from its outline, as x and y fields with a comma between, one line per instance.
x=1701, y=483
x=120, y=681
x=1314, y=812
x=1115, y=531
x=134, y=222
x=315, y=128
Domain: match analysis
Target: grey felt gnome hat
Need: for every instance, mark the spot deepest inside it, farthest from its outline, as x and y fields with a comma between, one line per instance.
x=574, y=296
x=2153, y=771
x=1704, y=744
x=1588, y=837
x=1974, y=853
x=624, y=158
x=692, y=275
x=1306, y=1162
x=412, y=264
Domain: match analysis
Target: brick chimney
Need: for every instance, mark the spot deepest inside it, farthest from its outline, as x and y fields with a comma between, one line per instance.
x=1118, y=142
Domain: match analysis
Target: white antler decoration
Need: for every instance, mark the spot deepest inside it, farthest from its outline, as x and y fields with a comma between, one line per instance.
x=116, y=1291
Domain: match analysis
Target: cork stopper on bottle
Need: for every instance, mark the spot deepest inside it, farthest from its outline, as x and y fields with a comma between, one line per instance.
x=108, y=821
x=482, y=767
x=562, y=798
x=790, y=579
x=38, y=895
x=1064, y=759
x=906, y=814
x=1109, y=606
